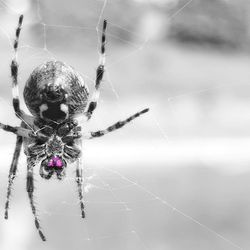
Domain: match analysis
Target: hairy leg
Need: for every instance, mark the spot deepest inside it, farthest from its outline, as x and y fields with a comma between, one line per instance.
x=99, y=75
x=17, y=130
x=117, y=125
x=12, y=172
x=14, y=75
x=24, y=132
x=30, y=190
x=79, y=181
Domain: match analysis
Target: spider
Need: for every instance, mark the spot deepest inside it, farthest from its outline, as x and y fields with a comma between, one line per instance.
x=55, y=95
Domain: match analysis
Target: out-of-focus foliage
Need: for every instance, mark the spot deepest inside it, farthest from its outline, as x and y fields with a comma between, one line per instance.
x=222, y=23
x=216, y=22
x=85, y=14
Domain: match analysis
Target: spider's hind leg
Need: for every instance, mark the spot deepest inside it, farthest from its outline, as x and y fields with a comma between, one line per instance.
x=79, y=181
x=12, y=172
x=99, y=74
x=30, y=190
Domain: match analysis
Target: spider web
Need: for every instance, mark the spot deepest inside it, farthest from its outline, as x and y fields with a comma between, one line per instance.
x=131, y=201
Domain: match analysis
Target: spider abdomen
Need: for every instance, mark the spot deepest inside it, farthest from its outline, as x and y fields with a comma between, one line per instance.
x=55, y=91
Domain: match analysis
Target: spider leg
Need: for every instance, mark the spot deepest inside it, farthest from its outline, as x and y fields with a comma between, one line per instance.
x=79, y=181
x=24, y=132
x=17, y=130
x=12, y=172
x=14, y=75
x=99, y=74
x=30, y=190
x=117, y=125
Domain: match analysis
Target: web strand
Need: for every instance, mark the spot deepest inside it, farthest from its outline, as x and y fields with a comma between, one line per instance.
x=165, y=203
x=127, y=208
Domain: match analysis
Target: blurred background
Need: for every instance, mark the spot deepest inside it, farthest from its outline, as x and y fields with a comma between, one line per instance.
x=176, y=178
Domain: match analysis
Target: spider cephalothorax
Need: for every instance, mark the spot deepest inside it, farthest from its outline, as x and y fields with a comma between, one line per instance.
x=58, y=146
x=54, y=94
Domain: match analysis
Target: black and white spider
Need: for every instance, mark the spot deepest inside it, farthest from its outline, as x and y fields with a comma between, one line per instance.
x=55, y=94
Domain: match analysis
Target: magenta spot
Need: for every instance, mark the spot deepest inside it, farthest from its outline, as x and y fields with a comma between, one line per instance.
x=50, y=163
x=55, y=161
x=59, y=163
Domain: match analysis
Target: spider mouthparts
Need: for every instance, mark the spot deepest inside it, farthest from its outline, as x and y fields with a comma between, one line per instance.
x=55, y=161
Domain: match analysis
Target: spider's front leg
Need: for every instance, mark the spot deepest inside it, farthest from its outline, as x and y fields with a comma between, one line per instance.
x=30, y=189
x=99, y=74
x=14, y=75
x=72, y=152
x=117, y=125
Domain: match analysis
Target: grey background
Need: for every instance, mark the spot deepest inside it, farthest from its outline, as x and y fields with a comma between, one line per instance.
x=176, y=178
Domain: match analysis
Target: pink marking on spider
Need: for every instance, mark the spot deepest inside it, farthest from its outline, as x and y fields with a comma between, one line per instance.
x=55, y=161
